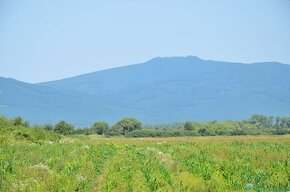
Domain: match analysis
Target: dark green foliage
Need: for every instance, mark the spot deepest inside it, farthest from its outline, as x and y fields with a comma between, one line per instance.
x=84, y=131
x=255, y=125
x=261, y=121
x=130, y=127
x=48, y=127
x=127, y=125
x=87, y=131
x=282, y=131
x=173, y=126
x=203, y=132
x=63, y=127
x=17, y=121
x=160, y=133
x=100, y=128
x=188, y=126
x=284, y=122
x=112, y=133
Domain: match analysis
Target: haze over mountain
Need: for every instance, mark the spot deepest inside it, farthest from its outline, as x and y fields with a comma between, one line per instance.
x=161, y=90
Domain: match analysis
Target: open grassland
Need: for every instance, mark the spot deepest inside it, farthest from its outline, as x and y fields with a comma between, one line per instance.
x=89, y=163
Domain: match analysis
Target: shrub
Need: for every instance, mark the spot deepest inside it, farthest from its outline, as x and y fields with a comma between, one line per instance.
x=127, y=125
x=3, y=141
x=63, y=127
x=188, y=126
x=100, y=127
x=36, y=135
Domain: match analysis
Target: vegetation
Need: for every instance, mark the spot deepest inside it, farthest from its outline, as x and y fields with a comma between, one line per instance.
x=18, y=131
x=188, y=126
x=38, y=158
x=126, y=126
x=63, y=128
x=130, y=127
x=90, y=163
x=100, y=128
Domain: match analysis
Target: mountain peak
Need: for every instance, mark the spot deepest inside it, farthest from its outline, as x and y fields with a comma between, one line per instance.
x=180, y=58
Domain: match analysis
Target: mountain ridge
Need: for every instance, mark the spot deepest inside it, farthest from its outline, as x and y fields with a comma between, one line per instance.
x=162, y=58
x=161, y=90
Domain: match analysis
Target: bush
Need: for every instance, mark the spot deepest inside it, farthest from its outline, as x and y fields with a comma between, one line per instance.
x=188, y=126
x=17, y=121
x=63, y=127
x=48, y=127
x=36, y=135
x=111, y=133
x=160, y=133
x=100, y=128
x=239, y=132
x=4, y=122
x=127, y=125
x=282, y=131
x=3, y=141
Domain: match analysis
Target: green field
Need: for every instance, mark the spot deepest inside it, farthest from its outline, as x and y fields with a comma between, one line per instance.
x=89, y=163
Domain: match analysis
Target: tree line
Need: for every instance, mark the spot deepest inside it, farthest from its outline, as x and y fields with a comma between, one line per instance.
x=131, y=127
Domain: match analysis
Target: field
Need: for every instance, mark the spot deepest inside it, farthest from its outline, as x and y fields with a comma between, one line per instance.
x=89, y=163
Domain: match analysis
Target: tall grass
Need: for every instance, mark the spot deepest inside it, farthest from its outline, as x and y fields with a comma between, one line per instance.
x=121, y=164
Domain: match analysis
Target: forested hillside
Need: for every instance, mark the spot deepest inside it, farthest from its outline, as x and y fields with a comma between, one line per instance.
x=162, y=90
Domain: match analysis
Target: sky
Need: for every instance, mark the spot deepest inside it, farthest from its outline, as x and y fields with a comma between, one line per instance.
x=43, y=40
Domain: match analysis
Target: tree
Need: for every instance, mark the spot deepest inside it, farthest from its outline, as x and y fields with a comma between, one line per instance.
x=188, y=126
x=127, y=125
x=48, y=127
x=261, y=121
x=4, y=122
x=63, y=127
x=100, y=127
x=203, y=131
x=285, y=122
x=18, y=121
x=87, y=131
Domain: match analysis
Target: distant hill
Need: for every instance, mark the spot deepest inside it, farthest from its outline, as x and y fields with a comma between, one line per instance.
x=161, y=90
x=40, y=104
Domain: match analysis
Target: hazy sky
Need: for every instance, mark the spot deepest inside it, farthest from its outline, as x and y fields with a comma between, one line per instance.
x=44, y=40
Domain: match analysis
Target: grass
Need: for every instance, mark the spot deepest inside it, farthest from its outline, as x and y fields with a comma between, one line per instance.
x=90, y=163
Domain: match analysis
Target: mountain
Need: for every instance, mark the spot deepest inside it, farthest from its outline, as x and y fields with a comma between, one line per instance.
x=40, y=104
x=161, y=90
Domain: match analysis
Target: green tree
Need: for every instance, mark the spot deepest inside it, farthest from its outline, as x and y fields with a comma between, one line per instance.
x=261, y=121
x=4, y=122
x=277, y=122
x=100, y=127
x=87, y=131
x=63, y=127
x=18, y=121
x=202, y=131
x=285, y=122
x=127, y=125
x=188, y=126
x=48, y=127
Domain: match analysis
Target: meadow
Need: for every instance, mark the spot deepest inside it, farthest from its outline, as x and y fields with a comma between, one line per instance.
x=92, y=163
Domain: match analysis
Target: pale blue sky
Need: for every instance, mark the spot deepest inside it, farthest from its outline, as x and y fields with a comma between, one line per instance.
x=43, y=40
